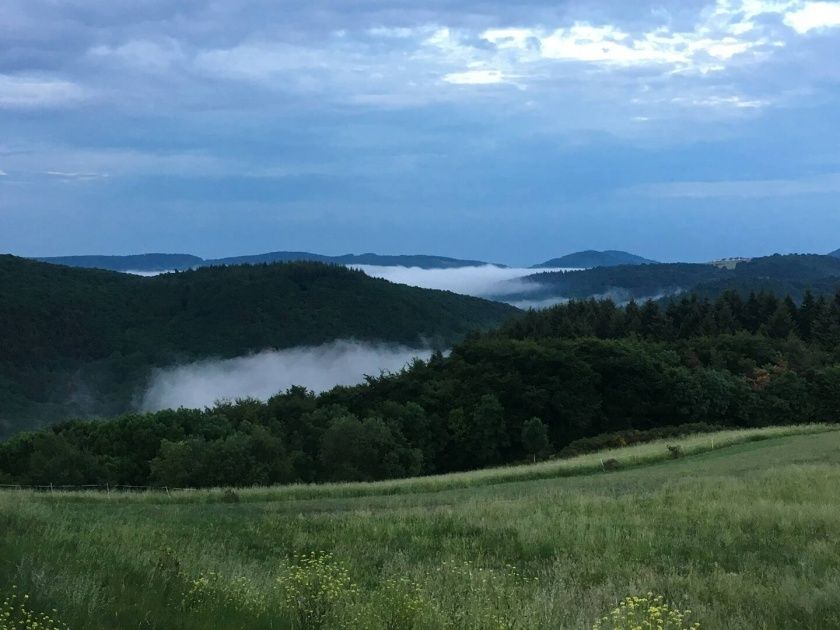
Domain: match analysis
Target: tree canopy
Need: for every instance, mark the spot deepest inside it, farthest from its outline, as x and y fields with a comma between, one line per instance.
x=582, y=370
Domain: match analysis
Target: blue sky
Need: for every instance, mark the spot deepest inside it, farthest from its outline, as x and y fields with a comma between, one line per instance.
x=510, y=132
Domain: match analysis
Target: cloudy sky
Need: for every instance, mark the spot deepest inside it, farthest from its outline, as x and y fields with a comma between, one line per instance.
x=511, y=132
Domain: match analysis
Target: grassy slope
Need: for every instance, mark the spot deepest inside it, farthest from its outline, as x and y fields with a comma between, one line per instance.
x=745, y=535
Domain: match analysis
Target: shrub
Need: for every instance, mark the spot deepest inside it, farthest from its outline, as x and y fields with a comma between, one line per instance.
x=314, y=589
x=675, y=450
x=15, y=614
x=611, y=464
x=649, y=611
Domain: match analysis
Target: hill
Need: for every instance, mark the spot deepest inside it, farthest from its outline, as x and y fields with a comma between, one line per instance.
x=722, y=531
x=403, y=260
x=835, y=253
x=78, y=341
x=792, y=275
x=581, y=369
x=178, y=262
x=591, y=258
x=624, y=282
x=137, y=262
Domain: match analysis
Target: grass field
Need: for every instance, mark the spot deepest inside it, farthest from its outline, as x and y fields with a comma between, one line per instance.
x=744, y=530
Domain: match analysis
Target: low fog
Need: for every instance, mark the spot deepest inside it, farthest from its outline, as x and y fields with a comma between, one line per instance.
x=263, y=375
x=145, y=274
x=504, y=284
x=538, y=304
x=486, y=281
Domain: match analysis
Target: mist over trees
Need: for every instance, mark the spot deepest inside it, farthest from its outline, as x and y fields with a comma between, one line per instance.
x=581, y=370
x=82, y=342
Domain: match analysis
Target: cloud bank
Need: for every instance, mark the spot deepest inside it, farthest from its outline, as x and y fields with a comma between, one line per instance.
x=263, y=375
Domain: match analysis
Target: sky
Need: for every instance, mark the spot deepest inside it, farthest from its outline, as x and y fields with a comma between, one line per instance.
x=500, y=131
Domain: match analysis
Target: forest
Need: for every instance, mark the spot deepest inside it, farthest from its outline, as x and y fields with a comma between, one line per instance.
x=527, y=390
x=83, y=341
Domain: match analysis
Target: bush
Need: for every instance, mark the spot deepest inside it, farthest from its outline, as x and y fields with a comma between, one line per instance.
x=314, y=589
x=675, y=451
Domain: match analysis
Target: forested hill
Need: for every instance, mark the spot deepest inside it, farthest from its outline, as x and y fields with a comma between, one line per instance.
x=403, y=260
x=624, y=282
x=791, y=274
x=78, y=341
x=135, y=262
x=592, y=258
x=547, y=382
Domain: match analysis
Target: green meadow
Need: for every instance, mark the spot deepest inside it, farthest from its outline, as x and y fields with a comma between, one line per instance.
x=742, y=528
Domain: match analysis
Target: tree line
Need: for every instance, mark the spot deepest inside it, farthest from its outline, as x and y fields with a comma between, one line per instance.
x=538, y=384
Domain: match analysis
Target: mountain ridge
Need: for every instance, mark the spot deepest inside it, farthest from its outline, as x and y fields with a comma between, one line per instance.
x=160, y=262
x=150, y=262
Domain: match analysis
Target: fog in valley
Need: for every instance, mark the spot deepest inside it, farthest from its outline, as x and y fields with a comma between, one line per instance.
x=485, y=281
x=504, y=284
x=265, y=374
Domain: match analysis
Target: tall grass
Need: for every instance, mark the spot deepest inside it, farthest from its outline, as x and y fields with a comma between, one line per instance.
x=743, y=535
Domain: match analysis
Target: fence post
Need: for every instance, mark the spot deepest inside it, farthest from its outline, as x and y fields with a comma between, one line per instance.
x=51, y=486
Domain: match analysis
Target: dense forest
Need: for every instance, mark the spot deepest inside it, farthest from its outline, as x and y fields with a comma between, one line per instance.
x=541, y=382
x=81, y=341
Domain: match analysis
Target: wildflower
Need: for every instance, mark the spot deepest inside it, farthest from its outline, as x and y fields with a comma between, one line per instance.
x=650, y=611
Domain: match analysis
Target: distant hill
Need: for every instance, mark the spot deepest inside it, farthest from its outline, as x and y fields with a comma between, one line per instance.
x=785, y=275
x=622, y=282
x=81, y=341
x=791, y=274
x=591, y=258
x=405, y=260
x=135, y=262
x=179, y=262
x=789, y=267
x=835, y=253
